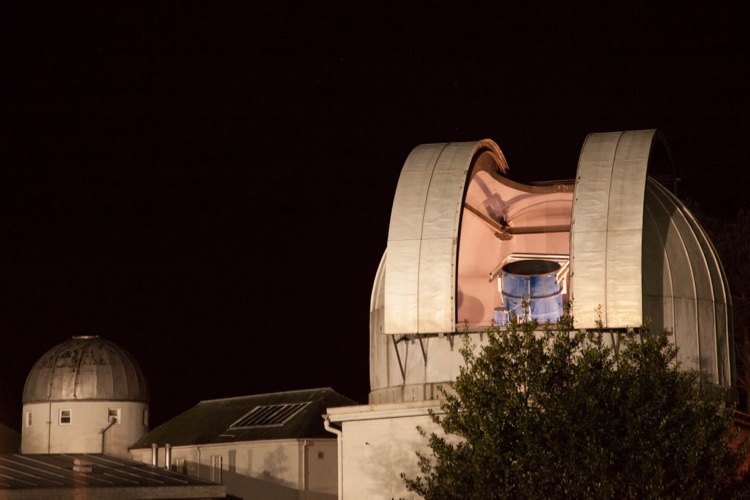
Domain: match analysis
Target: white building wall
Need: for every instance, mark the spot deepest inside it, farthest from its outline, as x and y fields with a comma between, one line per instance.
x=35, y=433
x=278, y=469
x=43, y=432
x=379, y=444
x=322, y=469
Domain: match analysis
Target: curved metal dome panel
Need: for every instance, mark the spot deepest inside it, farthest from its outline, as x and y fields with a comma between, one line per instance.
x=639, y=254
x=86, y=368
x=630, y=247
x=685, y=289
x=423, y=236
x=606, y=229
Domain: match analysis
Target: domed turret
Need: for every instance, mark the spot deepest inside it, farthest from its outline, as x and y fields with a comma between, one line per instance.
x=86, y=395
x=617, y=245
x=86, y=368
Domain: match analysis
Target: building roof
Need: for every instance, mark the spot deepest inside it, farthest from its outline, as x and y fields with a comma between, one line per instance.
x=101, y=476
x=10, y=440
x=280, y=415
x=86, y=368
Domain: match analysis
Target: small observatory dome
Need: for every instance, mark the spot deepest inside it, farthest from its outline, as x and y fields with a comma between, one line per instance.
x=86, y=368
x=86, y=395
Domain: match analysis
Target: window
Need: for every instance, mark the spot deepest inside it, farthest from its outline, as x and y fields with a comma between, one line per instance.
x=270, y=415
x=65, y=417
x=114, y=415
x=215, y=469
x=28, y=419
x=145, y=417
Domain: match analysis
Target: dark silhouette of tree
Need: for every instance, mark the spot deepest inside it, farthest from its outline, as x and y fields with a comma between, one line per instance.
x=560, y=414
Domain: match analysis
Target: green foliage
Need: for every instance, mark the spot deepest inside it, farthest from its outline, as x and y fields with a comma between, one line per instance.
x=559, y=414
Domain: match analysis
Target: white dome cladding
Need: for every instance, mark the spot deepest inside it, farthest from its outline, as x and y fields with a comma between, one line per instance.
x=619, y=236
x=86, y=368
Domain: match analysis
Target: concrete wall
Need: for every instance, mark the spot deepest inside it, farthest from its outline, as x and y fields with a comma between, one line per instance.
x=46, y=434
x=279, y=469
x=379, y=443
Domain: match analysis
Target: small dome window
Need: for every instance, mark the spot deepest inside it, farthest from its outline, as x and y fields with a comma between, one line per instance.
x=65, y=417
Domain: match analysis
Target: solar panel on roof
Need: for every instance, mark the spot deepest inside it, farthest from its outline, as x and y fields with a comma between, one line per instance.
x=270, y=415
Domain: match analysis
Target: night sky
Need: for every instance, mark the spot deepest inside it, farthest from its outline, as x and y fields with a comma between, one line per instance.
x=209, y=184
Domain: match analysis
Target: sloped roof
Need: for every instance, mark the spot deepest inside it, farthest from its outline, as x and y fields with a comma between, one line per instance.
x=10, y=440
x=211, y=421
x=95, y=476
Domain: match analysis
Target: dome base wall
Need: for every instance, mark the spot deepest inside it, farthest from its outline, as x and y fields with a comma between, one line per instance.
x=82, y=427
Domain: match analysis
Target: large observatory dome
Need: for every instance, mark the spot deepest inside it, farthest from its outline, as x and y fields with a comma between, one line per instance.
x=467, y=245
x=86, y=368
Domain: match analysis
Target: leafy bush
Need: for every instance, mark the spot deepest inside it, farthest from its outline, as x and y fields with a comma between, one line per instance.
x=560, y=414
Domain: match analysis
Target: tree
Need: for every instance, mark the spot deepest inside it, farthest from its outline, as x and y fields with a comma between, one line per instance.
x=559, y=414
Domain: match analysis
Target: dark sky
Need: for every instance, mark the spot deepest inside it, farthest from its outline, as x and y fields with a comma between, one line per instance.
x=209, y=185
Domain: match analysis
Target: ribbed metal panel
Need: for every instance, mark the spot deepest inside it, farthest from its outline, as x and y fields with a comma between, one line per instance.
x=100, y=476
x=639, y=255
x=423, y=237
x=86, y=368
x=635, y=253
x=607, y=227
x=685, y=289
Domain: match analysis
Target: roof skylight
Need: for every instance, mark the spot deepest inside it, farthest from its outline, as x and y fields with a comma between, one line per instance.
x=269, y=415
